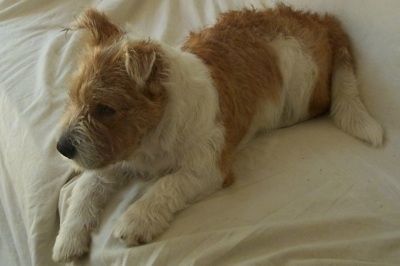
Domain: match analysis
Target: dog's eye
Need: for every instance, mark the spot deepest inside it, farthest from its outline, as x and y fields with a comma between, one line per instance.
x=105, y=110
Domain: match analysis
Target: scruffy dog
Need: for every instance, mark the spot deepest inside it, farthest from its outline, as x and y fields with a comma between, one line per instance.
x=176, y=116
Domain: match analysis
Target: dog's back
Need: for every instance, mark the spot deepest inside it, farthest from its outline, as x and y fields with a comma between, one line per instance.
x=276, y=67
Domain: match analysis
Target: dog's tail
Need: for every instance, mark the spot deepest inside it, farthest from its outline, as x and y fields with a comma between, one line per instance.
x=347, y=109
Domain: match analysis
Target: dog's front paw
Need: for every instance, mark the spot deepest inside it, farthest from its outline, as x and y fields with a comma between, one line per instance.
x=139, y=225
x=70, y=246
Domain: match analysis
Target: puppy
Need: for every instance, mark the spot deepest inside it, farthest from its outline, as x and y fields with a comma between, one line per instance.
x=176, y=116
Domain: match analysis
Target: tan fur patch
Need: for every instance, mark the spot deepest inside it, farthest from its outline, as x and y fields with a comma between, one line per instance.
x=244, y=69
x=102, y=29
x=103, y=81
x=312, y=31
x=320, y=35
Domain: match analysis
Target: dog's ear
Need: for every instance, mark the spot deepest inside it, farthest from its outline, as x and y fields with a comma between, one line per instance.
x=102, y=29
x=140, y=60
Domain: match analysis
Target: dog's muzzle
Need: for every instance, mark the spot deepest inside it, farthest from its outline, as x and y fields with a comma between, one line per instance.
x=65, y=147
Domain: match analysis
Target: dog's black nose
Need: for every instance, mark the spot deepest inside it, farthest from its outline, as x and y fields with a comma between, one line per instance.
x=65, y=147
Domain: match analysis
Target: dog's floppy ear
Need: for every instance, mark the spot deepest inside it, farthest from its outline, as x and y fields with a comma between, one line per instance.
x=140, y=60
x=102, y=29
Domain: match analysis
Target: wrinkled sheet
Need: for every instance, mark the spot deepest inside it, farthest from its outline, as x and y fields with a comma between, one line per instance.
x=305, y=195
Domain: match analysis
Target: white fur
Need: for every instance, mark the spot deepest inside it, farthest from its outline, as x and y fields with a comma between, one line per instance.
x=348, y=111
x=88, y=198
x=185, y=145
x=299, y=74
x=183, y=150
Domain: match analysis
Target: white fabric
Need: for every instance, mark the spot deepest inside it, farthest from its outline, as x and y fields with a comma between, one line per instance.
x=305, y=195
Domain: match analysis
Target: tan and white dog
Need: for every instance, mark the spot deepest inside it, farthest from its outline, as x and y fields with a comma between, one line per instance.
x=176, y=116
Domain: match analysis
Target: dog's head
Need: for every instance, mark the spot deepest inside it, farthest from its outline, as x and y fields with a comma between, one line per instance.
x=116, y=96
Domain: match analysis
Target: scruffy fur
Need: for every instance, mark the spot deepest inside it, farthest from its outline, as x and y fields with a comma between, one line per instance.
x=176, y=116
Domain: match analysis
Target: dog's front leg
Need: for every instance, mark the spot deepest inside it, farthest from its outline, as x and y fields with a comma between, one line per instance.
x=85, y=204
x=151, y=214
